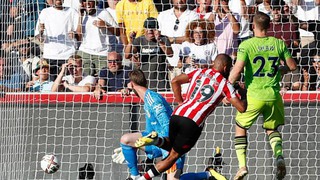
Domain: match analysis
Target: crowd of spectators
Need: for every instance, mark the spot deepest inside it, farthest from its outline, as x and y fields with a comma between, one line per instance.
x=91, y=45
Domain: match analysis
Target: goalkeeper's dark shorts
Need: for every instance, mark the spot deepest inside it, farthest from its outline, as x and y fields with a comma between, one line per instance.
x=183, y=133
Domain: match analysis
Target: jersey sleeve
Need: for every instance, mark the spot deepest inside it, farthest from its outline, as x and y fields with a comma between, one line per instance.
x=242, y=54
x=158, y=112
x=160, y=20
x=75, y=19
x=137, y=44
x=190, y=75
x=89, y=80
x=153, y=10
x=119, y=12
x=162, y=116
x=229, y=90
x=106, y=17
x=285, y=53
x=42, y=16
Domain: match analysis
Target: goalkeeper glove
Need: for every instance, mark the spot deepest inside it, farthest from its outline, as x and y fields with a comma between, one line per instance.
x=118, y=156
x=150, y=139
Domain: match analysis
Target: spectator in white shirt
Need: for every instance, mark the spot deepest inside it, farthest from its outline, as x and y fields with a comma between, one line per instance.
x=265, y=7
x=71, y=77
x=57, y=29
x=112, y=8
x=97, y=39
x=245, y=8
x=199, y=49
x=75, y=4
x=173, y=23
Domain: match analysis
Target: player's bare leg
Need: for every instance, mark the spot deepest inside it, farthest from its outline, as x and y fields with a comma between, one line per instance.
x=127, y=143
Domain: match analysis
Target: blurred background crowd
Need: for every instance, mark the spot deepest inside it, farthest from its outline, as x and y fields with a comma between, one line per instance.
x=91, y=45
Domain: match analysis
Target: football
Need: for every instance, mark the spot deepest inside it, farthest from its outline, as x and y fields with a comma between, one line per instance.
x=50, y=164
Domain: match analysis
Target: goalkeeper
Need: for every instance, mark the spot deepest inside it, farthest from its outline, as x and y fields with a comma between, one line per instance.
x=158, y=113
x=260, y=58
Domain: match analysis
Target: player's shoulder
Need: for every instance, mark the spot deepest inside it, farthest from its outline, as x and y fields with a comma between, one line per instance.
x=247, y=42
x=218, y=76
x=199, y=72
x=279, y=43
x=274, y=39
x=209, y=73
x=152, y=97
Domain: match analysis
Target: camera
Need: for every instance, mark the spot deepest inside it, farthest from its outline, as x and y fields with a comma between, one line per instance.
x=196, y=61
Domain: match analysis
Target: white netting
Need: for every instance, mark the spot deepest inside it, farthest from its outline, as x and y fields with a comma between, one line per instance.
x=80, y=133
x=79, y=129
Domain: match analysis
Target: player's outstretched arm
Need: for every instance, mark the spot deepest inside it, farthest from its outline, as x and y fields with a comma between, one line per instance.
x=240, y=105
x=289, y=66
x=291, y=63
x=176, y=86
x=236, y=71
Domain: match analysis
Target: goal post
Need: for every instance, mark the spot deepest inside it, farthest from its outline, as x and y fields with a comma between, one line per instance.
x=79, y=129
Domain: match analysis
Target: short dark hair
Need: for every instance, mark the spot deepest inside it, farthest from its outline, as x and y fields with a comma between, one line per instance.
x=151, y=23
x=261, y=20
x=222, y=60
x=137, y=76
x=277, y=4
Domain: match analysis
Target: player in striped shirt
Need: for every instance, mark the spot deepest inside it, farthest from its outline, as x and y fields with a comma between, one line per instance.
x=158, y=113
x=206, y=90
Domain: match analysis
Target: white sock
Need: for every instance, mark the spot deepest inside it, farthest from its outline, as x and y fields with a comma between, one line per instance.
x=135, y=177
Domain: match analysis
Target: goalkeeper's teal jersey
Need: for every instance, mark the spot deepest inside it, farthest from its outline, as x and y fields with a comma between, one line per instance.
x=158, y=113
x=262, y=57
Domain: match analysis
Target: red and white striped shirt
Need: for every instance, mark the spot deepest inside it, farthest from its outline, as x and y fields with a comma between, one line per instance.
x=206, y=90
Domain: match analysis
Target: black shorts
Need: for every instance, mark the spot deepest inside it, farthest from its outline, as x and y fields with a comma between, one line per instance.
x=183, y=133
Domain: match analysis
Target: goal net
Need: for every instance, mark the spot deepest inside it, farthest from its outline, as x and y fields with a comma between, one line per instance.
x=79, y=129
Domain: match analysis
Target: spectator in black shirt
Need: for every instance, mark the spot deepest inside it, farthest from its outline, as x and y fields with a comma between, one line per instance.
x=152, y=50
